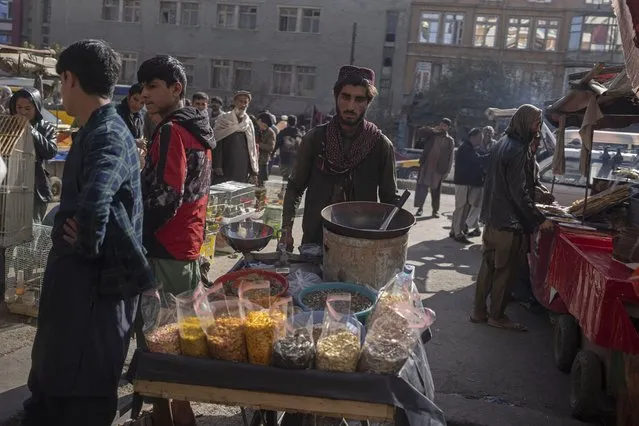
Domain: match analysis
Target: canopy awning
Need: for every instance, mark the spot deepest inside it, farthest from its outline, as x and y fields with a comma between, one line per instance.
x=627, y=12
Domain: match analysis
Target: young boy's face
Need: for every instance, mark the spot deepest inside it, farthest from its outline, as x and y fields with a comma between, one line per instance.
x=160, y=98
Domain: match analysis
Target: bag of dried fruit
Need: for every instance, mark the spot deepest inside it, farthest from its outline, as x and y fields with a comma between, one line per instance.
x=294, y=346
x=339, y=345
x=223, y=324
x=261, y=323
x=192, y=337
x=399, y=289
x=390, y=340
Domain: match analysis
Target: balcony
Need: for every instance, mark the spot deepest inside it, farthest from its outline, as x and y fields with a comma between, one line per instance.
x=585, y=58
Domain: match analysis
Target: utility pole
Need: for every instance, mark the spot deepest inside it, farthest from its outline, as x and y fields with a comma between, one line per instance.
x=353, y=39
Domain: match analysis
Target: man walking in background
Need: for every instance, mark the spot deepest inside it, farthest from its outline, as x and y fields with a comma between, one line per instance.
x=434, y=165
x=288, y=142
x=216, y=105
x=266, y=143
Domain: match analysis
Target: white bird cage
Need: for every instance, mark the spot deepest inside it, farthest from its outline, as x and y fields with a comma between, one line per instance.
x=17, y=189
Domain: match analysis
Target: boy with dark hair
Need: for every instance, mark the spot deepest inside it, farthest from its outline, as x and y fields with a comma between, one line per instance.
x=130, y=109
x=201, y=101
x=216, y=103
x=97, y=267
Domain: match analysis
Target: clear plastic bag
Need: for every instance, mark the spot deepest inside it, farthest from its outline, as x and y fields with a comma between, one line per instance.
x=192, y=337
x=294, y=349
x=400, y=289
x=339, y=345
x=223, y=324
x=161, y=329
x=391, y=339
x=256, y=292
x=301, y=280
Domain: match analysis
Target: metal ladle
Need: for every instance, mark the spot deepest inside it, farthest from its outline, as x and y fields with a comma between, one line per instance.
x=400, y=203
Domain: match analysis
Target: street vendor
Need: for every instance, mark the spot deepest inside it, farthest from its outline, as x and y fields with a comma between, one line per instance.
x=346, y=159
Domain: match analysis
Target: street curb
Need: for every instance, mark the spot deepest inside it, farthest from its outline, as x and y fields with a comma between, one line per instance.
x=447, y=187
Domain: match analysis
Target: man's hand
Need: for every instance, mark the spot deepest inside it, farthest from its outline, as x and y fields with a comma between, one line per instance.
x=141, y=143
x=70, y=231
x=546, y=226
x=286, y=240
x=218, y=172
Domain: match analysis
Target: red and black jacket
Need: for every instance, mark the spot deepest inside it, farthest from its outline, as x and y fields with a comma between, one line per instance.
x=175, y=185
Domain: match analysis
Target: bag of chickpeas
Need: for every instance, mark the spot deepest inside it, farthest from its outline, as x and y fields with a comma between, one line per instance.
x=339, y=345
x=192, y=337
x=223, y=325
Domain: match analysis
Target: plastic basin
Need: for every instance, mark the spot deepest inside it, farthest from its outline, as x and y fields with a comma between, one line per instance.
x=302, y=318
x=236, y=277
x=347, y=288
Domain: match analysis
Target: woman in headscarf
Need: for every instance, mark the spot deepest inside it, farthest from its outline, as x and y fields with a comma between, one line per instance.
x=5, y=96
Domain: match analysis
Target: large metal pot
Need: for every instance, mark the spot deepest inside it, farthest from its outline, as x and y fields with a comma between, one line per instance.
x=362, y=219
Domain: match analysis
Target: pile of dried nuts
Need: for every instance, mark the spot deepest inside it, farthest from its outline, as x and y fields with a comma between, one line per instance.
x=192, y=338
x=316, y=300
x=295, y=351
x=387, y=347
x=338, y=352
x=260, y=330
x=225, y=337
x=164, y=339
x=385, y=306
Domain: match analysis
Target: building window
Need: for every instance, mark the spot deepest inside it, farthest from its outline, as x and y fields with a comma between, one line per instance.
x=129, y=69
x=116, y=10
x=45, y=36
x=111, y=10
x=392, y=19
x=453, y=27
x=423, y=73
x=518, y=33
x=292, y=80
x=189, y=68
x=485, y=31
x=597, y=2
x=539, y=1
x=190, y=13
x=236, y=17
x=387, y=54
x=220, y=74
x=546, y=33
x=385, y=83
x=242, y=75
x=168, y=12
x=429, y=27
x=299, y=20
x=131, y=11
x=46, y=11
x=6, y=10
x=594, y=34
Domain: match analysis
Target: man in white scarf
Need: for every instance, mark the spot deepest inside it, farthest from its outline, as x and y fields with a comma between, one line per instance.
x=235, y=157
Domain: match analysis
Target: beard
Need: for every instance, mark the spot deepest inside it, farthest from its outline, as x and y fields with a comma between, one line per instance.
x=349, y=121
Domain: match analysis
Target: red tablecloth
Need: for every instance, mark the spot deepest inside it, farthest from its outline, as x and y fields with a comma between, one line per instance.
x=594, y=288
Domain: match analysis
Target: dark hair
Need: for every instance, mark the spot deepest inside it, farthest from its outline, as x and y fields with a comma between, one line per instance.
x=135, y=89
x=474, y=132
x=165, y=68
x=217, y=99
x=200, y=96
x=447, y=121
x=292, y=120
x=187, y=102
x=94, y=63
x=266, y=118
x=355, y=80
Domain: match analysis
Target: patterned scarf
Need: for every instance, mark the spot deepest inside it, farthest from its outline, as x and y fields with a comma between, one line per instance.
x=333, y=158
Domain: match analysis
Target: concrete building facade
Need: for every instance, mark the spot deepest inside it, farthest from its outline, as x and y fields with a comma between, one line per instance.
x=540, y=42
x=287, y=52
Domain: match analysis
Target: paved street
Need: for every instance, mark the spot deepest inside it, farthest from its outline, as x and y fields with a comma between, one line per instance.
x=483, y=376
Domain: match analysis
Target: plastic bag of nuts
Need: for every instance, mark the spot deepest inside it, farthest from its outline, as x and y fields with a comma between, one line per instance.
x=399, y=290
x=338, y=347
x=294, y=348
x=192, y=337
x=261, y=328
x=225, y=331
x=164, y=339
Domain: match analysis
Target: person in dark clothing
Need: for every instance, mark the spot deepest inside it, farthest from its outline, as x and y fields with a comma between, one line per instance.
x=27, y=102
x=201, y=102
x=130, y=109
x=288, y=142
x=216, y=105
x=469, y=182
x=97, y=268
x=266, y=144
x=617, y=160
x=175, y=185
x=235, y=158
x=509, y=214
x=348, y=159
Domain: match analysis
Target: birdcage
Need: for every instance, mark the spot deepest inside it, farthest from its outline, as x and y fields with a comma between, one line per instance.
x=24, y=271
x=16, y=192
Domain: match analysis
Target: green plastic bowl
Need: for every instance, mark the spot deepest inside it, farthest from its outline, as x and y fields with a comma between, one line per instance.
x=347, y=288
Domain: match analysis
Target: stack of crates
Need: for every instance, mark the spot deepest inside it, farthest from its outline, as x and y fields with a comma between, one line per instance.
x=16, y=192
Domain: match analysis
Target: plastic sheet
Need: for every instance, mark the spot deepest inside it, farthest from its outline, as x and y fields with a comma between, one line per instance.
x=596, y=289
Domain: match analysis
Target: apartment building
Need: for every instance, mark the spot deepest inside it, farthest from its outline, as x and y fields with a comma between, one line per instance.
x=287, y=52
x=11, y=12
x=36, y=22
x=539, y=42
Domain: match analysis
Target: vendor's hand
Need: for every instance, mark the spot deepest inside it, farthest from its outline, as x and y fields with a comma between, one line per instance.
x=286, y=240
x=546, y=226
x=218, y=172
x=70, y=231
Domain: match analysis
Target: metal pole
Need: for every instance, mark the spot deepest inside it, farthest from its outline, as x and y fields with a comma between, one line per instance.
x=353, y=39
x=588, y=160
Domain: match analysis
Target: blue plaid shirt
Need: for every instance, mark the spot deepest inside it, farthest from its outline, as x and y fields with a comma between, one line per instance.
x=101, y=191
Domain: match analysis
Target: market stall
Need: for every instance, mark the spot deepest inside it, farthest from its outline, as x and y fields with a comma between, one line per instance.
x=273, y=336
x=583, y=271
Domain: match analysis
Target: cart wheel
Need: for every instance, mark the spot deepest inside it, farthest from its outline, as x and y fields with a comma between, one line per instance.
x=566, y=342
x=586, y=384
x=56, y=187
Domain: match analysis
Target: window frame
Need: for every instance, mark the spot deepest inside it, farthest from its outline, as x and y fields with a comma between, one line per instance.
x=459, y=29
x=495, y=37
x=213, y=67
x=546, y=27
x=232, y=67
x=236, y=15
x=579, y=24
x=519, y=26
x=124, y=58
x=299, y=19
x=181, y=13
x=179, y=6
x=295, y=80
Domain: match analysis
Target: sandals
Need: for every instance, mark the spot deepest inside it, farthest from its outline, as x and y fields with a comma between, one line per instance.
x=478, y=319
x=506, y=324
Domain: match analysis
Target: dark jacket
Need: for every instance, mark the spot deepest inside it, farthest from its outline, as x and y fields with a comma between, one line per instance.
x=508, y=202
x=266, y=145
x=373, y=179
x=175, y=185
x=44, y=140
x=134, y=121
x=288, y=142
x=468, y=166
